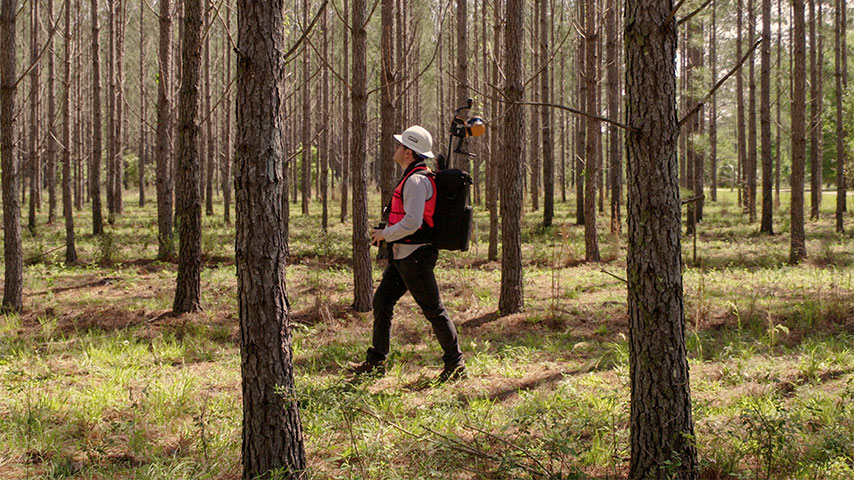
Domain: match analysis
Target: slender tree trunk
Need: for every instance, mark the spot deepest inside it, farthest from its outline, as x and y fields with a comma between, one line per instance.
x=797, y=249
x=111, y=110
x=142, y=117
x=188, y=285
x=546, y=121
x=841, y=153
x=614, y=161
x=226, y=154
x=324, y=139
x=164, y=170
x=78, y=109
x=511, y=297
x=33, y=154
x=272, y=432
x=767, y=224
x=739, y=90
x=52, y=134
x=662, y=428
x=591, y=171
x=67, y=205
x=814, y=119
x=119, y=161
x=535, y=145
x=563, y=129
x=580, y=122
x=495, y=165
x=462, y=92
x=345, y=116
x=387, y=111
x=713, y=108
x=751, y=118
x=362, y=281
x=779, y=92
x=13, y=255
x=97, y=127
x=210, y=151
x=306, y=118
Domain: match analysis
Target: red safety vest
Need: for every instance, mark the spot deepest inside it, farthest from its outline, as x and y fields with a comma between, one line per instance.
x=396, y=212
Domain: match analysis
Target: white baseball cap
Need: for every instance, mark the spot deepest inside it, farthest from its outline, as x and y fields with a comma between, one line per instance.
x=417, y=139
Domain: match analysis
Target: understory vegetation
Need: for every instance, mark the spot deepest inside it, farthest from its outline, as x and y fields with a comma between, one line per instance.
x=101, y=382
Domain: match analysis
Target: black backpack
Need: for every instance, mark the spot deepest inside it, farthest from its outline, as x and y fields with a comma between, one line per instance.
x=452, y=219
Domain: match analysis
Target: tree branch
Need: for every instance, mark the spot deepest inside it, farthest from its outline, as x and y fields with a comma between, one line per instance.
x=672, y=13
x=705, y=99
x=695, y=12
x=308, y=30
x=44, y=49
x=583, y=114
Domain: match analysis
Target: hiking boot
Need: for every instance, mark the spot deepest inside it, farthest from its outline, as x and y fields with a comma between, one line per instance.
x=452, y=374
x=367, y=368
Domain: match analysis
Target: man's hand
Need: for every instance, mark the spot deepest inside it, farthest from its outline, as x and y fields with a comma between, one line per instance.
x=377, y=237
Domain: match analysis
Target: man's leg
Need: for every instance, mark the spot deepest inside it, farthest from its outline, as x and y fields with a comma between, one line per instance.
x=416, y=271
x=388, y=293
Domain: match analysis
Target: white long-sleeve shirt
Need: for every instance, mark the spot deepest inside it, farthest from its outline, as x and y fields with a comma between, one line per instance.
x=416, y=191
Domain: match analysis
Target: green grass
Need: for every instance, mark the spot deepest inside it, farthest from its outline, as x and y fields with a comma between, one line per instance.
x=98, y=384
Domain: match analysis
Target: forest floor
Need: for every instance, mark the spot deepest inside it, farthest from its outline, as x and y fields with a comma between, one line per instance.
x=100, y=384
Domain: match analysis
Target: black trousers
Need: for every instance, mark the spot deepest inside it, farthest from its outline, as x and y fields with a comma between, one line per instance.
x=415, y=274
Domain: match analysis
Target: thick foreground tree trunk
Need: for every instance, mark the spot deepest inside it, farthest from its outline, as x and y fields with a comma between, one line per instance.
x=662, y=428
x=511, y=298
x=362, y=281
x=272, y=433
x=13, y=255
x=188, y=286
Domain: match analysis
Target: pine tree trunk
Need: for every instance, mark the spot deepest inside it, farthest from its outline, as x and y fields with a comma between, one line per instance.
x=387, y=111
x=118, y=165
x=593, y=136
x=535, y=145
x=67, y=205
x=13, y=255
x=546, y=120
x=272, y=432
x=189, y=202
x=345, y=116
x=210, y=150
x=751, y=118
x=662, y=431
x=841, y=153
x=111, y=110
x=142, y=145
x=362, y=281
x=779, y=91
x=713, y=109
x=306, y=119
x=767, y=225
x=739, y=90
x=225, y=169
x=34, y=162
x=797, y=249
x=495, y=164
x=580, y=122
x=50, y=159
x=614, y=161
x=324, y=139
x=164, y=183
x=814, y=119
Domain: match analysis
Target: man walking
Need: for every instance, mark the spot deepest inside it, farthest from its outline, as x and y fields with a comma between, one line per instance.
x=412, y=259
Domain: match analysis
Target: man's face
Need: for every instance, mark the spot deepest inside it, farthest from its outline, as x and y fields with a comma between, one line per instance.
x=400, y=154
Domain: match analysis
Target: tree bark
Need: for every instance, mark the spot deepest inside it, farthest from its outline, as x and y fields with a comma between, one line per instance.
x=614, y=161
x=815, y=112
x=362, y=281
x=272, y=434
x=462, y=93
x=97, y=127
x=767, y=224
x=662, y=431
x=119, y=161
x=142, y=144
x=50, y=157
x=324, y=139
x=797, y=248
x=34, y=162
x=841, y=153
x=593, y=136
x=546, y=121
x=387, y=112
x=164, y=183
x=225, y=172
x=580, y=122
x=111, y=110
x=511, y=298
x=210, y=150
x=306, y=118
x=751, y=118
x=345, y=115
x=67, y=205
x=188, y=285
x=713, y=108
x=495, y=164
x=739, y=90
x=13, y=255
